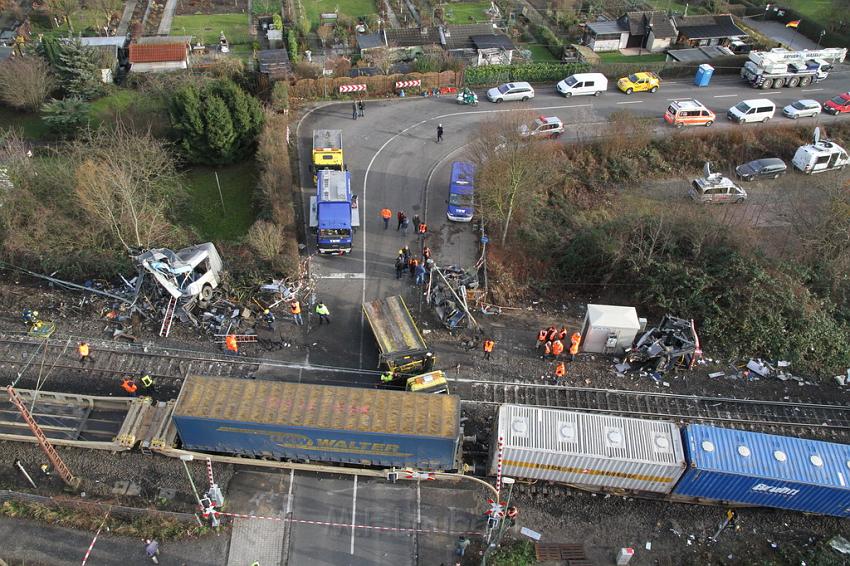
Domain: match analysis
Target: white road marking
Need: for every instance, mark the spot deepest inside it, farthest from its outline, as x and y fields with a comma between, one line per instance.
x=631, y=102
x=289, y=495
x=773, y=92
x=811, y=90
x=418, y=505
x=724, y=95
x=345, y=275
x=353, y=513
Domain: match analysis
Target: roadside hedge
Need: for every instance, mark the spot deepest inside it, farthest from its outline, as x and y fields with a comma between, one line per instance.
x=531, y=72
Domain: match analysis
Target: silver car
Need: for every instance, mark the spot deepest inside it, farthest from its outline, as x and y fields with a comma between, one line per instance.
x=511, y=91
x=805, y=108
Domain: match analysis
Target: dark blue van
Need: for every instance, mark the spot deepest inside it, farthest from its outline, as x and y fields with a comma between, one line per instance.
x=461, y=192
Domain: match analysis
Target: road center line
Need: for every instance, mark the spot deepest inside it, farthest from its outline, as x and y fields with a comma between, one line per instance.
x=773, y=92
x=724, y=95
x=353, y=514
x=631, y=102
x=811, y=90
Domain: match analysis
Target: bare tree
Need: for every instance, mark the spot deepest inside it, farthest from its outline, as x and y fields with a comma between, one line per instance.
x=509, y=165
x=267, y=239
x=382, y=58
x=25, y=82
x=108, y=8
x=126, y=183
x=64, y=9
x=325, y=33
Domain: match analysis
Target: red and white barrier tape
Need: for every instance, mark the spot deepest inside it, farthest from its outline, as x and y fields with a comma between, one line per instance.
x=349, y=525
x=209, y=472
x=94, y=540
x=499, y=469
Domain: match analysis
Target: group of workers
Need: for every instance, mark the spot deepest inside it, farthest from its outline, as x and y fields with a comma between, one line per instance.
x=231, y=341
x=550, y=343
x=418, y=268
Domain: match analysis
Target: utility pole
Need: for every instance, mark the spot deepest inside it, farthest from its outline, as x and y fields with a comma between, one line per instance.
x=52, y=455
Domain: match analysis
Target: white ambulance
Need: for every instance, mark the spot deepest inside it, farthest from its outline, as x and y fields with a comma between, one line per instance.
x=820, y=155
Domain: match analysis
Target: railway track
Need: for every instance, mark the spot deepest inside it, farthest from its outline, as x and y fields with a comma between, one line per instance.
x=822, y=421
x=21, y=354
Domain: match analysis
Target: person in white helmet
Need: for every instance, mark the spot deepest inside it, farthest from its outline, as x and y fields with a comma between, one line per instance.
x=439, y=133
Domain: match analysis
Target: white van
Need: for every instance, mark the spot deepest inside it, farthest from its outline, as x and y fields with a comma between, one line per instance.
x=583, y=83
x=819, y=157
x=756, y=110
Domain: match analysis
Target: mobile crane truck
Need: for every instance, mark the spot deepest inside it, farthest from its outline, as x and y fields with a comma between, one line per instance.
x=334, y=213
x=780, y=67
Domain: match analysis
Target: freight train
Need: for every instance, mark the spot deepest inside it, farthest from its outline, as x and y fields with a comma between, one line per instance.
x=384, y=428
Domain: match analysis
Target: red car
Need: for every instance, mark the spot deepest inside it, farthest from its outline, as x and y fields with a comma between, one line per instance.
x=838, y=104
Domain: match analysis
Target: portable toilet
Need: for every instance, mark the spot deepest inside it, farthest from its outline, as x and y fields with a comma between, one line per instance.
x=704, y=73
x=609, y=329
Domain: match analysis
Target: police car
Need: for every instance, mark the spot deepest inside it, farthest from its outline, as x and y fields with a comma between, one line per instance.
x=543, y=127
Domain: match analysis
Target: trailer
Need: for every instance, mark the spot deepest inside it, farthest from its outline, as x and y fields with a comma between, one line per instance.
x=327, y=152
x=401, y=348
x=781, y=67
x=319, y=423
x=334, y=214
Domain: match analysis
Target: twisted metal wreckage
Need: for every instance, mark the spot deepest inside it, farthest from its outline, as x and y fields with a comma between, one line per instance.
x=186, y=284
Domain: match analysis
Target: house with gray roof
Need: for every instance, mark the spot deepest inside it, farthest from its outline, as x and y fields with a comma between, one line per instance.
x=653, y=31
x=480, y=44
x=699, y=31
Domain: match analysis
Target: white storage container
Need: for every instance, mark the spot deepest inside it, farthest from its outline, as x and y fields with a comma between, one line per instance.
x=588, y=449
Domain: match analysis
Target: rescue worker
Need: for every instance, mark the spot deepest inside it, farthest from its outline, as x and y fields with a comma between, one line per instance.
x=30, y=316
x=83, y=349
x=575, y=340
x=295, y=309
x=560, y=371
x=323, y=312
x=562, y=334
x=416, y=222
x=147, y=381
x=268, y=317
x=426, y=251
x=547, y=350
x=45, y=469
x=557, y=348
x=129, y=385
x=388, y=376
x=231, y=344
x=551, y=334
x=423, y=229
x=512, y=513
x=439, y=133
x=488, y=348
x=401, y=216
x=420, y=275
x=405, y=253
x=151, y=550
x=412, y=265
x=399, y=266
x=541, y=338
x=386, y=214
x=461, y=545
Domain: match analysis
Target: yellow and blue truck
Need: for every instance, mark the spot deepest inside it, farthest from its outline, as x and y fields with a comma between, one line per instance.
x=327, y=152
x=401, y=347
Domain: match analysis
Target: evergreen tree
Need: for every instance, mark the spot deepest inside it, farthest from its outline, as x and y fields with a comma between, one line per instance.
x=216, y=122
x=79, y=69
x=66, y=117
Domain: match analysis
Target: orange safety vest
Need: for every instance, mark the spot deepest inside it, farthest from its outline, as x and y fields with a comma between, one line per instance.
x=414, y=262
x=231, y=344
x=488, y=345
x=129, y=385
x=560, y=369
x=548, y=349
x=423, y=228
x=386, y=213
x=541, y=336
x=84, y=349
x=562, y=334
x=557, y=347
x=512, y=512
x=576, y=340
x=295, y=307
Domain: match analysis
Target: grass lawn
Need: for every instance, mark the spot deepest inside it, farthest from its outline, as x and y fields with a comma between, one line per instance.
x=127, y=102
x=351, y=8
x=204, y=212
x=465, y=12
x=81, y=19
x=207, y=28
x=29, y=125
x=669, y=5
x=617, y=57
x=540, y=54
x=821, y=11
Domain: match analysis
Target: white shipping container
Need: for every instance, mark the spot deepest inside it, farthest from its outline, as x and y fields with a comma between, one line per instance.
x=588, y=449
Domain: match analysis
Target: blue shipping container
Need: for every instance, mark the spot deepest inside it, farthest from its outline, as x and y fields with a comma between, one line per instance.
x=766, y=470
x=297, y=421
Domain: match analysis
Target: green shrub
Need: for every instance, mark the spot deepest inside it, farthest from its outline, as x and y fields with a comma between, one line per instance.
x=280, y=96
x=531, y=72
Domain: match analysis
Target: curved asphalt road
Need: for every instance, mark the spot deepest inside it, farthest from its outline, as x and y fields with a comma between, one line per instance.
x=392, y=153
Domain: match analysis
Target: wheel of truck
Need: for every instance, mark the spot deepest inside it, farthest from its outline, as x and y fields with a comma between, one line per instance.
x=206, y=293
x=805, y=81
x=778, y=83
x=767, y=84
x=629, y=90
x=653, y=89
x=792, y=83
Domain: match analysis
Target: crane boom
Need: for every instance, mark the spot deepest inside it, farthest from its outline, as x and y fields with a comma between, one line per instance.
x=45, y=444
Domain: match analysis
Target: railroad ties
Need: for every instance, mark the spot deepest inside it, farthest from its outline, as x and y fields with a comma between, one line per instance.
x=810, y=420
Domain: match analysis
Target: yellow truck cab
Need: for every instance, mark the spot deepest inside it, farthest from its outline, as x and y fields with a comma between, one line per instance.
x=639, y=82
x=401, y=347
x=327, y=152
x=431, y=382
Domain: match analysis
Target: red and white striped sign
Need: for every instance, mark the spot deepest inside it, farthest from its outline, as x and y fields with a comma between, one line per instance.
x=417, y=475
x=408, y=84
x=499, y=467
x=352, y=88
